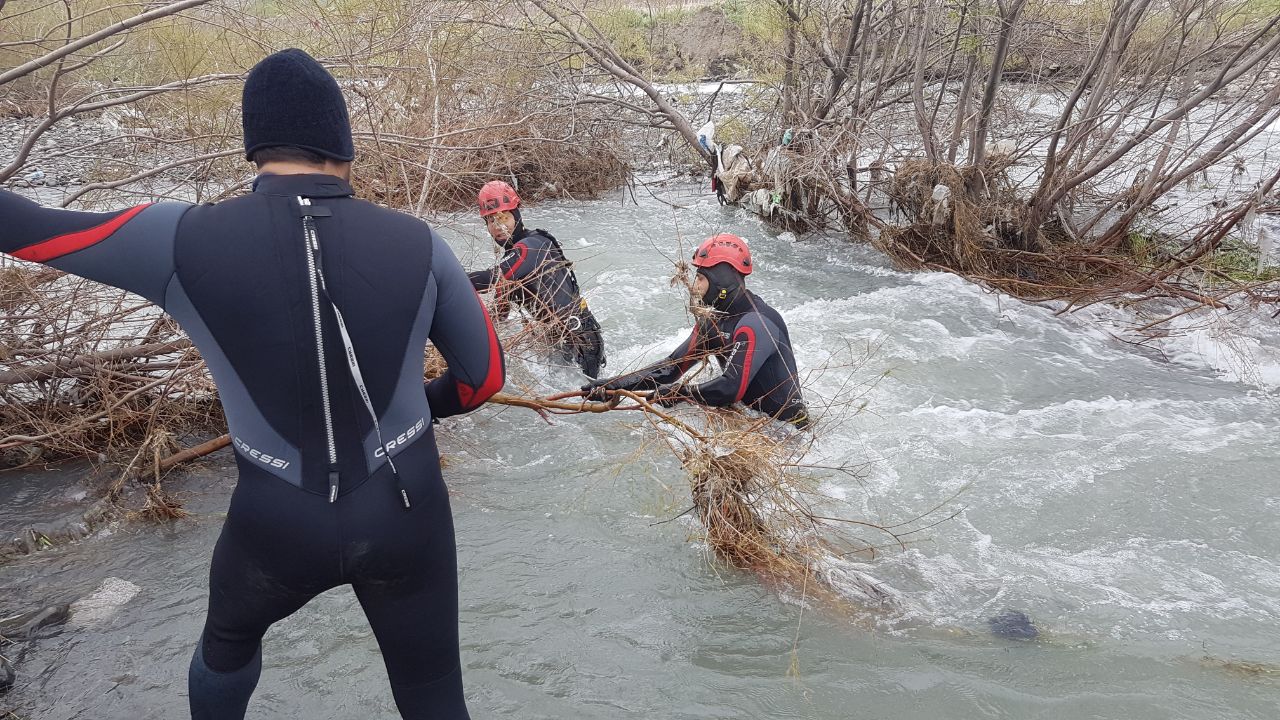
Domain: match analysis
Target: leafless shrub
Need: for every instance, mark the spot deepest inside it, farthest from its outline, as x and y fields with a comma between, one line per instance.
x=1066, y=128
x=437, y=106
x=91, y=372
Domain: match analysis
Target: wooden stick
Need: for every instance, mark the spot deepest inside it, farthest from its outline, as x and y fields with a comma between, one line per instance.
x=192, y=453
x=62, y=368
x=551, y=403
x=565, y=395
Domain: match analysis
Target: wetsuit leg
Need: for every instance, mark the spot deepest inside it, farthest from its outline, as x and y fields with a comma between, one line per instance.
x=266, y=565
x=219, y=696
x=587, y=345
x=590, y=354
x=796, y=414
x=403, y=567
x=280, y=547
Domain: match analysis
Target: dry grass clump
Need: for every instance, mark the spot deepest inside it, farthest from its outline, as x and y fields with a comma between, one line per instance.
x=969, y=220
x=956, y=215
x=540, y=167
x=434, y=365
x=159, y=505
x=731, y=474
x=1244, y=669
x=19, y=283
x=432, y=132
x=762, y=508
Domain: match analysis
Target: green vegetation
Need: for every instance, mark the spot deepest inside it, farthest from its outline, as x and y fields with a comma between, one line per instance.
x=1234, y=260
x=1240, y=263
x=651, y=40
x=732, y=131
x=1142, y=244
x=758, y=19
x=628, y=32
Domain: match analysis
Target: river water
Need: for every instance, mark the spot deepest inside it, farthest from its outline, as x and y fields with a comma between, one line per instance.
x=1124, y=498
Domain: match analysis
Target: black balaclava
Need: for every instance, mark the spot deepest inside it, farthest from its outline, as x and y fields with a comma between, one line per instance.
x=724, y=286
x=290, y=99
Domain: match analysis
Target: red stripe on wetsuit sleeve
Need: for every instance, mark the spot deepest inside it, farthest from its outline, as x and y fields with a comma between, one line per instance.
x=470, y=397
x=693, y=346
x=746, y=360
x=56, y=247
x=524, y=253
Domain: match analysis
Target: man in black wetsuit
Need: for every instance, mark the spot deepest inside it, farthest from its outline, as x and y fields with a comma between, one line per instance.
x=535, y=273
x=312, y=310
x=747, y=337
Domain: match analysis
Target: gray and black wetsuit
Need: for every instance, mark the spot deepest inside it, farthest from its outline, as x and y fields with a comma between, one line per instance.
x=751, y=344
x=535, y=273
x=322, y=494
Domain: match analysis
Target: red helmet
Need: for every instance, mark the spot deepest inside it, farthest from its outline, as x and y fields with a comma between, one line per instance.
x=724, y=248
x=495, y=197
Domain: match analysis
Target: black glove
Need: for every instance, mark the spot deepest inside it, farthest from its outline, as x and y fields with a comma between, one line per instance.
x=669, y=395
x=596, y=389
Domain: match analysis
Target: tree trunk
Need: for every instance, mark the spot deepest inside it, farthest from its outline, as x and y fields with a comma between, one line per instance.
x=924, y=123
x=962, y=107
x=978, y=145
x=788, y=67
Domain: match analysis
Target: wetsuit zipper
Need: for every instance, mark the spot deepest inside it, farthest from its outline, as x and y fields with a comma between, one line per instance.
x=315, y=264
x=313, y=247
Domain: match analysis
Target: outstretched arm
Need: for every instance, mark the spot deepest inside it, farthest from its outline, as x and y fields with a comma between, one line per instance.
x=667, y=370
x=130, y=249
x=514, y=265
x=463, y=333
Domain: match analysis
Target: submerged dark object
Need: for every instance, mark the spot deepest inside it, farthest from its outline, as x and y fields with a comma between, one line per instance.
x=25, y=627
x=28, y=624
x=1013, y=624
x=7, y=676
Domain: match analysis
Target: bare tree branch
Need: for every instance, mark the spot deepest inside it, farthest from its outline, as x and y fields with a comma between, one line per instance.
x=84, y=42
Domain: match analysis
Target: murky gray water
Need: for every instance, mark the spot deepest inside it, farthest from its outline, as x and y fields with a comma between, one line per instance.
x=1128, y=504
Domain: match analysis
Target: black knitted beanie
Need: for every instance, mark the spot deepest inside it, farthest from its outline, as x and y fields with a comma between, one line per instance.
x=290, y=99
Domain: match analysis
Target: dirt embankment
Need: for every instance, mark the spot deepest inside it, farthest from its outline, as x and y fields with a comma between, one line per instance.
x=706, y=44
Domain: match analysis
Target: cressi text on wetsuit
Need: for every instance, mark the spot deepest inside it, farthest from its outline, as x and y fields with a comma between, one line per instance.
x=750, y=342
x=277, y=289
x=542, y=281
